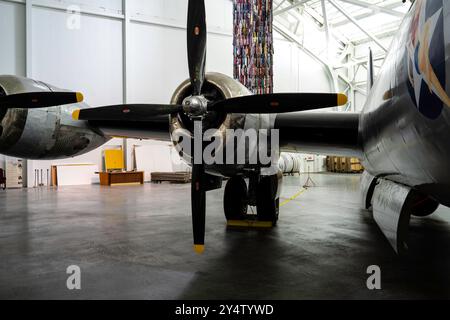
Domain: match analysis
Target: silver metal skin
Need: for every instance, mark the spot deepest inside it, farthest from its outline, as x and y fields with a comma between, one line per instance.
x=47, y=133
x=367, y=187
x=392, y=213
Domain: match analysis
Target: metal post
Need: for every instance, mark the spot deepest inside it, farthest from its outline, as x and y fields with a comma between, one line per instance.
x=327, y=28
x=125, y=38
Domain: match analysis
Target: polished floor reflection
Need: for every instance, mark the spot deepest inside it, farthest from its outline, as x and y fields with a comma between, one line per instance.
x=135, y=243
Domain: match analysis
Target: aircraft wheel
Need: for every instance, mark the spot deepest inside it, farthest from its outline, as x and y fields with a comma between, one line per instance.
x=267, y=203
x=236, y=199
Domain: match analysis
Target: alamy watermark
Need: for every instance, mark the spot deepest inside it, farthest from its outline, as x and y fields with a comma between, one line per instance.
x=74, y=280
x=374, y=280
x=258, y=147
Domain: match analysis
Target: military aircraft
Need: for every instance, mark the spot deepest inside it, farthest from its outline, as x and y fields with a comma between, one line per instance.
x=400, y=135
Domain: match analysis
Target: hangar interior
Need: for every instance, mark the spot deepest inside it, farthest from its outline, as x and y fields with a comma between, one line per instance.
x=115, y=55
x=133, y=241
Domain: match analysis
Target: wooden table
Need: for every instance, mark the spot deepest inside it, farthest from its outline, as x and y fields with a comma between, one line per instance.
x=121, y=178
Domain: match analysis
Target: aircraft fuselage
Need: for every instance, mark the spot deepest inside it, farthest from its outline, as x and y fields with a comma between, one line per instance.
x=405, y=124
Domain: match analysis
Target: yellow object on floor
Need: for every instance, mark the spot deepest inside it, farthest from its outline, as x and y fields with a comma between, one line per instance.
x=114, y=160
x=295, y=196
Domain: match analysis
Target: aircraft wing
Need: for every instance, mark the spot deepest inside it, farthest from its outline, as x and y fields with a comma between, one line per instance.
x=156, y=128
x=147, y=120
x=330, y=133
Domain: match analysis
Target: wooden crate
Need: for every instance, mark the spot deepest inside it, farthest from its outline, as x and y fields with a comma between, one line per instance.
x=330, y=162
x=173, y=177
x=336, y=164
x=356, y=167
x=344, y=165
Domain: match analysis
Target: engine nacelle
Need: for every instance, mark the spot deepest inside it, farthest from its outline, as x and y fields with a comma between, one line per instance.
x=217, y=87
x=46, y=133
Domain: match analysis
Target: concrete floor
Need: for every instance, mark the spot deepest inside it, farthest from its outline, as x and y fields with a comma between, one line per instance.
x=135, y=243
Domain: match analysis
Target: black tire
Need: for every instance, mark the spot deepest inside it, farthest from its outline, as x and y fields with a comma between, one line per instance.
x=236, y=199
x=267, y=203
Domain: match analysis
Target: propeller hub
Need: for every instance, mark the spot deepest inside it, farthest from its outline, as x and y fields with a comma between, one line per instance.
x=195, y=106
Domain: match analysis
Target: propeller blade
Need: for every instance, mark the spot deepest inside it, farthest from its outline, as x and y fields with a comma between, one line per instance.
x=279, y=103
x=31, y=100
x=198, y=198
x=196, y=43
x=132, y=112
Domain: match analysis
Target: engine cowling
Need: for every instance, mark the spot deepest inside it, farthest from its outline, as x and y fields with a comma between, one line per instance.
x=46, y=133
x=217, y=87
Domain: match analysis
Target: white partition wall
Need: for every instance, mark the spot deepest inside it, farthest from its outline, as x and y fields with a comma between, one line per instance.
x=156, y=66
x=87, y=58
x=133, y=51
x=12, y=35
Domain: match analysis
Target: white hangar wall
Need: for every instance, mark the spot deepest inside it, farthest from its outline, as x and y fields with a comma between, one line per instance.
x=12, y=35
x=126, y=52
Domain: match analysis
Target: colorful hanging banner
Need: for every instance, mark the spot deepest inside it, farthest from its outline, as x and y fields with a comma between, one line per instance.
x=253, y=44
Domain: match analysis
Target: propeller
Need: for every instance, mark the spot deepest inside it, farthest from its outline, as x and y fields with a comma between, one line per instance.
x=132, y=112
x=31, y=100
x=198, y=205
x=279, y=103
x=196, y=43
x=197, y=106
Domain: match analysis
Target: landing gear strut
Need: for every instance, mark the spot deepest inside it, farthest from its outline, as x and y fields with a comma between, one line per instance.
x=236, y=199
x=267, y=200
x=263, y=193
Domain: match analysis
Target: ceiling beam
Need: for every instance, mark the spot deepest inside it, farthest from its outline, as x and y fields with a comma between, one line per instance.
x=381, y=35
x=279, y=5
x=356, y=23
x=342, y=22
x=374, y=8
x=292, y=6
x=327, y=27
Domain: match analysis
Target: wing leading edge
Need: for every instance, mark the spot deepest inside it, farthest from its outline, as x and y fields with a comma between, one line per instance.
x=156, y=128
x=331, y=133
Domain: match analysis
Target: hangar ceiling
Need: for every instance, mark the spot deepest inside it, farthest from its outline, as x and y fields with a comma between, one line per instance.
x=379, y=18
x=338, y=32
